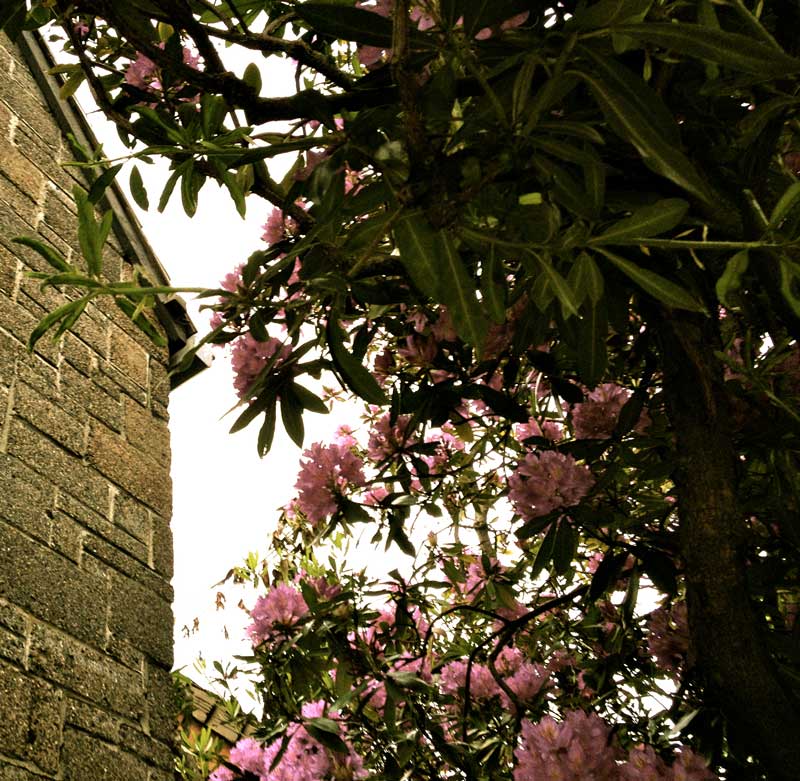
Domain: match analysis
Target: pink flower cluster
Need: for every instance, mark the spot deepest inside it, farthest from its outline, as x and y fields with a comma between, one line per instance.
x=668, y=636
x=305, y=758
x=574, y=749
x=325, y=474
x=596, y=418
x=547, y=481
x=523, y=677
x=144, y=74
x=278, y=226
x=274, y=613
x=580, y=747
x=386, y=440
x=549, y=429
x=249, y=357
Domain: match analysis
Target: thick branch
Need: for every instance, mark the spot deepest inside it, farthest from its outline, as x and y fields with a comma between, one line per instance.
x=727, y=637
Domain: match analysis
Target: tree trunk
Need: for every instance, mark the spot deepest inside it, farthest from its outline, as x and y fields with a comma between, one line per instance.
x=727, y=635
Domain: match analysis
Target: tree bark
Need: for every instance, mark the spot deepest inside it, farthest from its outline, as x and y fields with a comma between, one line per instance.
x=728, y=639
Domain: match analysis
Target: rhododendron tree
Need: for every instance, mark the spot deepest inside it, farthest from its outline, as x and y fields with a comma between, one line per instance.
x=553, y=249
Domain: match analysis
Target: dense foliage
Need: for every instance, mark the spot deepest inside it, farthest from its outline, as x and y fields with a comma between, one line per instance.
x=554, y=247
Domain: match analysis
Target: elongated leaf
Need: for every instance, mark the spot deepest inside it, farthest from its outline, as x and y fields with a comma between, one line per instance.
x=355, y=24
x=785, y=204
x=655, y=285
x=99, y=186
x=731, y=279
x=592, y=351
x=88, y=233
x=608, y=12
x=51, y=255
x=267, y=431
x=434, y=265
x=292, y=416
x=493, y=291
x=564, y=547
x=559, y=286
x=459, y=296
x=731, y=50
x=141, y=322
x=641, y=117
x=545, y=553
x=309, y=400
x=355, y=376
x=51, y=318
x=417, y=242
x=646, y=222
x=585, y=279
x=137, y=189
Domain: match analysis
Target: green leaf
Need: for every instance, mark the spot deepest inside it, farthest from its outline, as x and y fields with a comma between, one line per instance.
x=292, y=415
x=731, y=279
x=434, y=265
x=637, y=114
x=141, y=322
x=545, y=553
x=592, y=353
x=606, y=574
x=493, y=289
x=51, y=318
x=559, y=286
x=355, y=24
x=309, y=400
x=417, y=242
x=353, y=373
x=51, y=255
x=267, y=431
x=785, y=204
x=166, y=194
x=607, y=12
x=646, y=222
x=731, y=50
x=465, y=309
x=790, y=273
x=88, y=233
x=191, y=182
x=655, y=285
x=12, y=15
x=99, y=186
x=138, y=192
x=252, y=77
x=326, y=731
x=564, y=547
x=585, y=279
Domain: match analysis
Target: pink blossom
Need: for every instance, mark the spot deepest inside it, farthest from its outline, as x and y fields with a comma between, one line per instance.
x=323, y=589
x=574, y=749
x=448, y=445
x=668, y=636
x=248, y=754
x=644, y=765
x=249, y=357
x=386, y=440
x=384, y=628
x=280, y=609
x=312, y=160
x=509, y=24
x=482, y=685
x=689, y=766
x=344, y=436
x=278, y=226
x=549, y=429
x=232, y=281
x=222, y=773
x=144, y=74
x=547, y=481
x=596, y=418
x=376, y=495
x=325, y=474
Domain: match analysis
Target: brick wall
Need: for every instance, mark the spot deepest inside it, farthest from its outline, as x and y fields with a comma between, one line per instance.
x=85, y=556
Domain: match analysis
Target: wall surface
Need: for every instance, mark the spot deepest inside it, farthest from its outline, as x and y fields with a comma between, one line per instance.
x=85, y=546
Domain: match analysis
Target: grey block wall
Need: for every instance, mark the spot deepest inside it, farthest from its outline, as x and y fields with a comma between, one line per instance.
x=85, y=545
